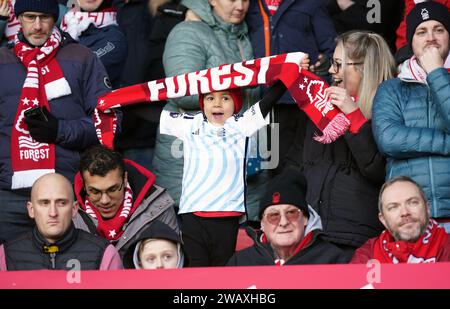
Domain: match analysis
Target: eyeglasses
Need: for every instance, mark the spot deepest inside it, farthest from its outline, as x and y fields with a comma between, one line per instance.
x=338, y=65
x=274, y=217
x=96, y=195
x=31, y=18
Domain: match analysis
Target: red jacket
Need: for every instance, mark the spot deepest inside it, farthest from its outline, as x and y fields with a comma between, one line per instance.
x=363, y=254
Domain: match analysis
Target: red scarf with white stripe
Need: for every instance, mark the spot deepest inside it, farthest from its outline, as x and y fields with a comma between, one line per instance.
x=13, y=24
x=424, y=250
x=112, y=229
x=75, y=22
x=306, y=88
x=44, y=81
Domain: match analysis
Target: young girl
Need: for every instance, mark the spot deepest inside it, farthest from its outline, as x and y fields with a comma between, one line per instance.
x=213, y=188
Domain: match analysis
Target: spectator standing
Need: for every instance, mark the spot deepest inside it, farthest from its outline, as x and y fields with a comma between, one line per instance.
x=44, y=69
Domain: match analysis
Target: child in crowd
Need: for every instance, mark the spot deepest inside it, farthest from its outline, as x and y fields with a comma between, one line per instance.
x=158, y=247
x=214, y=148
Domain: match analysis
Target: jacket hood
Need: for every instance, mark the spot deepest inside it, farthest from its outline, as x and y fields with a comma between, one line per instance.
x=314, y=223
x=158, y=230
x=140, y=179
x=203, y=9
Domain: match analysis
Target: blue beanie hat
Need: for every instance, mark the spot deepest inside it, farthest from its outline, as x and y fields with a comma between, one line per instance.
x=426, y=11
x=40, y=6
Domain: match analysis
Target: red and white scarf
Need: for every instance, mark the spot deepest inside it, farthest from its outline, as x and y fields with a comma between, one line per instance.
x=273, y=5
x=411, y=69
x=306, y=88
x=424, y=250
x=112, y=229
x=13, y=24
x=44, y=81
x=75, y=22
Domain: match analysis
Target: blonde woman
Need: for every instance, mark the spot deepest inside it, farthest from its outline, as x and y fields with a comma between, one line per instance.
x=344, y=177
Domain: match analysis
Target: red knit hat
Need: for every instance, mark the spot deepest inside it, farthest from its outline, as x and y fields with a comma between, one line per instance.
x=235, y=93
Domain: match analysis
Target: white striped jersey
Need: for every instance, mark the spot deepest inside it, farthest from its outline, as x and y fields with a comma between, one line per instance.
x=214, y=158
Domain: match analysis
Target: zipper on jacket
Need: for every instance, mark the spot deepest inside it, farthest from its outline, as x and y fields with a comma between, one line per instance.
x=52, y=250
x=430, y=163
x=52, y=259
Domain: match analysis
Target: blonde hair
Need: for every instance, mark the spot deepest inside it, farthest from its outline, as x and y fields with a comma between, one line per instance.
x=377, y=65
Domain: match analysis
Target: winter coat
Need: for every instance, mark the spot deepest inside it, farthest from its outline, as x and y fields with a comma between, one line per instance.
x=298, y=25
x=343, y=180
x=193, y=46
x=137, y=132
x=91, y=252
x=411, y=124
x=382, y=18
x=154, y=203
x=317, y=251
x=87, y=79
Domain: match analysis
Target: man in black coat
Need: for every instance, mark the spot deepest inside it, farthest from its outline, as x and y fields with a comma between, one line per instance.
x=290, y=229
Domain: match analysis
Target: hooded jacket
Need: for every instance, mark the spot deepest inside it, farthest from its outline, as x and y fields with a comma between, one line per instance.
x=155, y=230
x=154, y=203
x=317, y=251
x=411, y=125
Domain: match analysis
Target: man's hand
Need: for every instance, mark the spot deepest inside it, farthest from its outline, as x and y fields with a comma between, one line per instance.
x=304, y=64
x=344, y=4
x=321, y=66
x=431, y=59
x=41, y=130
x=5, y=10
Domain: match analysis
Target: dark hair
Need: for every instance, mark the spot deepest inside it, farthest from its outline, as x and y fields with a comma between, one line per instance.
x=100, y=160
x=394, y=180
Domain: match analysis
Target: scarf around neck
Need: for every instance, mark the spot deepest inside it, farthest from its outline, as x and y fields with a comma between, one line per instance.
x=424, y=250
x=411, y=69
x=112, y=229
x=306, y=88
x=44, y=81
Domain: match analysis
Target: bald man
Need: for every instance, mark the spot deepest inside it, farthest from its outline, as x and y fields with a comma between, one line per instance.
x=55, y=243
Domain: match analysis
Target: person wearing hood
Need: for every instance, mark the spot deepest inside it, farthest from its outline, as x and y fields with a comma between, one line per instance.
x=411, y=113
x=93, y=23
x=118, y=198
x=159, y=246
x=291, y=230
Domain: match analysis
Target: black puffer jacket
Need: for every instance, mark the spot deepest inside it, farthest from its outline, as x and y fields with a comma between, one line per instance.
x=344, y=179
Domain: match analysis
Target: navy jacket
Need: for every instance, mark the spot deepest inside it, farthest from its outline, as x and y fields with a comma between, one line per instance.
x=110, y=46
x=86, y=77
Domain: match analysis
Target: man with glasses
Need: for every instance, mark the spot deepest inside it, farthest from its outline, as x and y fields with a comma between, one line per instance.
x=290, y=229
x=118, y=198
x=48, y=92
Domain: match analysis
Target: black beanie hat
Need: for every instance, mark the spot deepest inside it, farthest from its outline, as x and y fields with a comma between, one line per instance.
x=287, y=188
x=40, y=6
x=423, y=12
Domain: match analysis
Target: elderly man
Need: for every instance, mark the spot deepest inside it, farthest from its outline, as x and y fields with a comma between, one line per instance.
x=411, y=113
x=410, y=235
x=46, y=70
x=55, y=243
x=119, y=198
x=290, y=229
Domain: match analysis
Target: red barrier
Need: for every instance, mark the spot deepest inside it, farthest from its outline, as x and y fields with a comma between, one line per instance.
x=384, y=276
